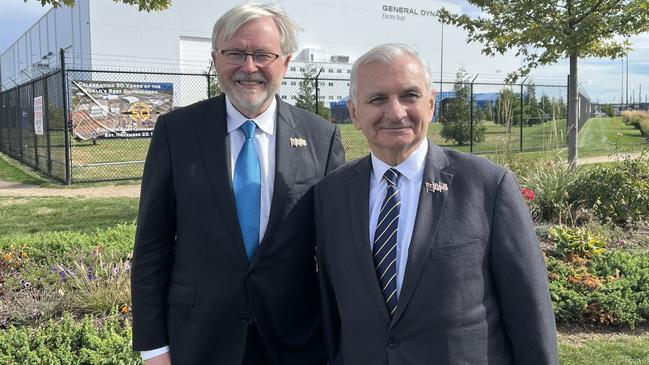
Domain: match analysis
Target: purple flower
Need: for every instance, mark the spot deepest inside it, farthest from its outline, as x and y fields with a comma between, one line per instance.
x=63, y=276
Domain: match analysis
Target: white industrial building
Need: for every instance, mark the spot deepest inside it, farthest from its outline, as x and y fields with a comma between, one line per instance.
x=101, y=34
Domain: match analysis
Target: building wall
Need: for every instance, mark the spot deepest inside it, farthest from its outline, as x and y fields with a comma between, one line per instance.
x=105, y=34
x=37, y=50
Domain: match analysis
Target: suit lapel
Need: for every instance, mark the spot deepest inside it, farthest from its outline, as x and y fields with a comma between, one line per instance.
x=358, y=198
x=429, y=212
x=214, y=144
x=286, y=164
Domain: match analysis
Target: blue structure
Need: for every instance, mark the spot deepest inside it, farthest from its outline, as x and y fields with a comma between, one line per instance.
x=340, y=113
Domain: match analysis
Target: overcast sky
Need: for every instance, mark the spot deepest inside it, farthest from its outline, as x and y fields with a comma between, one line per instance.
x=601, y=78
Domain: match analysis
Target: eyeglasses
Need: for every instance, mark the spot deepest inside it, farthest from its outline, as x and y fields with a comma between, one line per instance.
x=237, y=57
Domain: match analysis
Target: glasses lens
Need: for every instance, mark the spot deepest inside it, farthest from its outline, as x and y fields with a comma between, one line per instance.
x=234, y=57
x=263, y=58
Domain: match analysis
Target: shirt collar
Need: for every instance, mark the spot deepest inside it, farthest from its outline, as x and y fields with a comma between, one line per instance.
x=412, y=168
x=265, y=121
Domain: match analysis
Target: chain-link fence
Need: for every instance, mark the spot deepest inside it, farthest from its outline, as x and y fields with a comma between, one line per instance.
x=113, y=113
x=32, y=128
x=110, y=115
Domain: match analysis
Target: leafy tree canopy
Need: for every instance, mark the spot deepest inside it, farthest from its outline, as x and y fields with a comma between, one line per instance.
x=545, y=31
x=142, y=5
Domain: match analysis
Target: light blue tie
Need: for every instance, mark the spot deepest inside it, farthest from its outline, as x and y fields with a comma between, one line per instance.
x=247, y=189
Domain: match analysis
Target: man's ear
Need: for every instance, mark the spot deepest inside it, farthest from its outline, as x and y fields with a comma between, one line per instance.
x=214, y=57
x=433, y=98
x=352, y=113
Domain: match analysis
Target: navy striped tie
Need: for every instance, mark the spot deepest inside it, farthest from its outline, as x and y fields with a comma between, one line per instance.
x=384, y=248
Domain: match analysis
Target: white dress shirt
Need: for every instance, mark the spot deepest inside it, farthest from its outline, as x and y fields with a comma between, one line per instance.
x=412, y=173
x=265, y=146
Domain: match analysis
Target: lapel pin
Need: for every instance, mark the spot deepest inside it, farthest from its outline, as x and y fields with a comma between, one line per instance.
x=297, y=142
x=436, y=187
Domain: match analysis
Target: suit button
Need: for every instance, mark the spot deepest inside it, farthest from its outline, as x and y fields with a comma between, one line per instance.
x=393, y=342
x=244, y=318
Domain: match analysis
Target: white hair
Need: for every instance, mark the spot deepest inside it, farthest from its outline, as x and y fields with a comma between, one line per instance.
x=385, y=54
x=230, y=22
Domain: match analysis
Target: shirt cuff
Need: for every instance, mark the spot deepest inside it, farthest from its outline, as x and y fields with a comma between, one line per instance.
x=150, y=354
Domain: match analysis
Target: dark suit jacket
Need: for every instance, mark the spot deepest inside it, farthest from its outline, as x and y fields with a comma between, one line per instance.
x=192, y=285
x=475, y=287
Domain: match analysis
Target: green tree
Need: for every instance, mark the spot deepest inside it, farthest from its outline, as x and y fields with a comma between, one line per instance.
x=142, y=5
x=534, y=115
x=215, y=88
x=306, y=94
x=456, y=119
x=544, y=31
x=609, y=110
x=505, y=109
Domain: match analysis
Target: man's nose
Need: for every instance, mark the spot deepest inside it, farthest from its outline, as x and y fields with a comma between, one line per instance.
x=249, y=64
x=396, y=111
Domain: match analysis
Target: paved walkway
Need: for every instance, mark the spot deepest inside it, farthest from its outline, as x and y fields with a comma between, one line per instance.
x=104, y=191
x=597, y=159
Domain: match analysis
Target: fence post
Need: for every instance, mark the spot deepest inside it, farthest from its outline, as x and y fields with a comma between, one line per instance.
x=66, y=127
x=46, y=126
x=567, y=111
x=20, y=126
x=471, y=114
x=471, y=119
x=317, y=91
x=34, y=123
x=209, y=85
x=520, y=148
x=3, y=117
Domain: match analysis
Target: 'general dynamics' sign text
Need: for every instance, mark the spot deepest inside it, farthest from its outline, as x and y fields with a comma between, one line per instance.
x=401, y=12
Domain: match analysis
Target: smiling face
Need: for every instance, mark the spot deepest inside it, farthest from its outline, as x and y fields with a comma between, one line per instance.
x=249, y=87
x=393, y=107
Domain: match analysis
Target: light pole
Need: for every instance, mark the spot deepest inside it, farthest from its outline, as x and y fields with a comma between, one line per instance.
x=627, y=80
x=441, y=63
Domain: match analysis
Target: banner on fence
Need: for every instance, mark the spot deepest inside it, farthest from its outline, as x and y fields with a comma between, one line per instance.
x=108, y=109
x=38, y=115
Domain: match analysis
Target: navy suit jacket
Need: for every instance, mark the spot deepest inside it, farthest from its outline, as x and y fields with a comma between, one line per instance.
x=193, y=287
x=475, y=289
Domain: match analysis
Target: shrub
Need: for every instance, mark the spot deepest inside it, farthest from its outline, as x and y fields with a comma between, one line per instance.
x=609, y=289
x=51, y=248
x=578, y=241
x=67, y=341
x=633, y=117
x=97, y=284
x=550, y=180
x=618, y=193
x=644, y=127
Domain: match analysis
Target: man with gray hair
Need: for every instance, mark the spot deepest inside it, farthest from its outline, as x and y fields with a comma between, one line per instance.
x=430, y=256
x=223, y=267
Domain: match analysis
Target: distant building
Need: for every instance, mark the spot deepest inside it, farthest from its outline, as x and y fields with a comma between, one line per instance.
x=101, y=34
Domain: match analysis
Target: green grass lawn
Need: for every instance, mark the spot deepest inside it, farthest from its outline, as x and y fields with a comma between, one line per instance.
x=538, y=137
x=605, y=136
x=30, y=215
x=121, y=158
x=10, y=172
x=613, y=348
x=108, y=159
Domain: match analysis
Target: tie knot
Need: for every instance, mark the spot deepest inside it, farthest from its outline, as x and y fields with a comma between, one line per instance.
x=248, y=128
x=392, y=176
